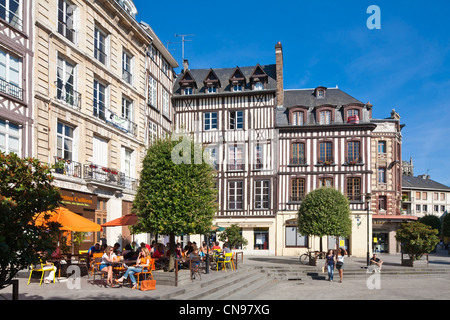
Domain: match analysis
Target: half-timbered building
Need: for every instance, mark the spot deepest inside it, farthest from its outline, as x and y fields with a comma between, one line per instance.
x=231, y=111
x=324, y=141
x=16, y=74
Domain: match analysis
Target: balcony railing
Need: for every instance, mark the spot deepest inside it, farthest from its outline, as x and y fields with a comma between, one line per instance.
x=110, y=176
x=104, y=174
x=67, y=167
x=67, y=95
x=11, y=89
x=121, y=123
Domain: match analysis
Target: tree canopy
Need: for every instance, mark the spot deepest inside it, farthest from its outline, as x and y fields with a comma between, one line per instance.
x=25, y=190
x=416, y=239
x=175, y=197
x=324, y=212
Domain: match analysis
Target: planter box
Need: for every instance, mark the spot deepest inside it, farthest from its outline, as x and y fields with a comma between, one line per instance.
x=422, y=263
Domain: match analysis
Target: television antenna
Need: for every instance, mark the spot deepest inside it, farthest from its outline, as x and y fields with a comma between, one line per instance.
x=183, y=40
x=170, y=42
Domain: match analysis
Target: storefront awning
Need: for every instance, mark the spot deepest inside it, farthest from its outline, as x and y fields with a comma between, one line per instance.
x=394, y=218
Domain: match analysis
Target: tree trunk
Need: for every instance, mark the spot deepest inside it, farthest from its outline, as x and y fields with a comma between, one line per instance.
x=172, y=252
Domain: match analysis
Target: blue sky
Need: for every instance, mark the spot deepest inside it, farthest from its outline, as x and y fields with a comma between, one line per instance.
x=403, y=66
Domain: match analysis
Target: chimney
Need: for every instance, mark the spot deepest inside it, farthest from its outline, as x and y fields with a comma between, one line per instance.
x=185, y=65
x=279, y=70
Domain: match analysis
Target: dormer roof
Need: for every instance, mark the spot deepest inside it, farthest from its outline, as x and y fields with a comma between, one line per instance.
x=211, y=79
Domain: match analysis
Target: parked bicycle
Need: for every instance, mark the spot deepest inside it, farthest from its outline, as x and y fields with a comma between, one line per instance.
x=306, y=257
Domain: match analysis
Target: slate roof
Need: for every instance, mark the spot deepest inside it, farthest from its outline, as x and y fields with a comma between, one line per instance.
x=307, y=98
x=224, y=75
x=421, y=183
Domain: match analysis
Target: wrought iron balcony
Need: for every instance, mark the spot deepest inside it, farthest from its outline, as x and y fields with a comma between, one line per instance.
x=66, y=94
x=11, y=89
x=67, y=167
x=103, y=174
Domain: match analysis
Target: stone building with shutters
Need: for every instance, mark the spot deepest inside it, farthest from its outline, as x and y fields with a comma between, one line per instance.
x=91, y=107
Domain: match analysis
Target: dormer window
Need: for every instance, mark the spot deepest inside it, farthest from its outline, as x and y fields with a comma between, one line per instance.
x=211, y=82
x=320, y=92
x=212, y=89
x=187, y=83
x=237, y=81
x=259, y=78
x=237, y=88
x=258, y=86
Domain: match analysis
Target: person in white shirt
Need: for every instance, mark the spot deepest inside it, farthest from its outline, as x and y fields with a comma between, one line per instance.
x=340, y=262
x=106, y=264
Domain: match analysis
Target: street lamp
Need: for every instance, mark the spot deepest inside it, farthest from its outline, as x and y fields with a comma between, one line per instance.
x=368, y=197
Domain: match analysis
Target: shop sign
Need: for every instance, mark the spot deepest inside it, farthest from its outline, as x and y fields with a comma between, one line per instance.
x=78, y=201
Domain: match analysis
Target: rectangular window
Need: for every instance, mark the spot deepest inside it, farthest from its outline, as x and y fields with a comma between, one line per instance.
x=325, y=182
x=418, y=207
x=425, y=208
x=418, y=194
x=64, y=145
x=65, y=83
x=294, y=239
x=353, y=151
x=297, y=189
x=235, y=195
x=325, y=117
x=99, y=100
x=212, y=154
x=297, y=118
x=152, y=91
x=325, y=152
x=442, y=196
x=236, y=120
x=262, y=194
x=153, y=132
x=382, y=175
x=66, y=20
x=10, y=11
x=100, y=48
x=259, y=157
x=209, y=121
x=381, y=147
x=424, y=196
x=9, y=137
x=435, y=196
x=298, y=154
x=127, y=109
x=382, y=203
x=261, y=238
x=10, y=74
x=165, y=102
x=127, y=72
x=235, y=158
x=354, y=189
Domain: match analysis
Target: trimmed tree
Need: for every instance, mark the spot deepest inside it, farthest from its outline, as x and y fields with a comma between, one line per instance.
x=233, y=236
x=176, y=193
x=325, y=212
x=25, y=190
x=416, y=239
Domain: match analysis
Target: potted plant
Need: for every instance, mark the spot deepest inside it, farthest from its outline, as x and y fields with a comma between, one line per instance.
x=417, y=240
x=59, y=166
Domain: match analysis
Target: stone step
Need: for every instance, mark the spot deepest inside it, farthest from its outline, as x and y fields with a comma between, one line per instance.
x=210, y=287
x=256, y=279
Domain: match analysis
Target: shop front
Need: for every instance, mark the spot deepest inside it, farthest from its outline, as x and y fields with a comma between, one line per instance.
x=83, y=204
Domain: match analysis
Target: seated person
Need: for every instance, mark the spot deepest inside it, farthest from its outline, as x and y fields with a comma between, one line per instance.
x=94, y=249
x=117, y=249
x=376, y=261
x=216, y=246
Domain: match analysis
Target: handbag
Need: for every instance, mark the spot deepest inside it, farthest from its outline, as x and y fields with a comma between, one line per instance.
x=323, y=269
x=147, y=285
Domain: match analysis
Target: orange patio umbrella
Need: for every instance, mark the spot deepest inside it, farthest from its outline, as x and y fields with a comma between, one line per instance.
x=126, y=220
x=69, y=220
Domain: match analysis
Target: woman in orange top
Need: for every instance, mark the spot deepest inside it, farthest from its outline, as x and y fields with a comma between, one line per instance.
x=143, y=262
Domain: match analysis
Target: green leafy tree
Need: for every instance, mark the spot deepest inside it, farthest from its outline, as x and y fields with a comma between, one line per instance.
x=233, y=236
x=176, y=193
x=325, y=212
x=416, y=239
x=432, y=221
x=446, y=225
x=25, y=190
